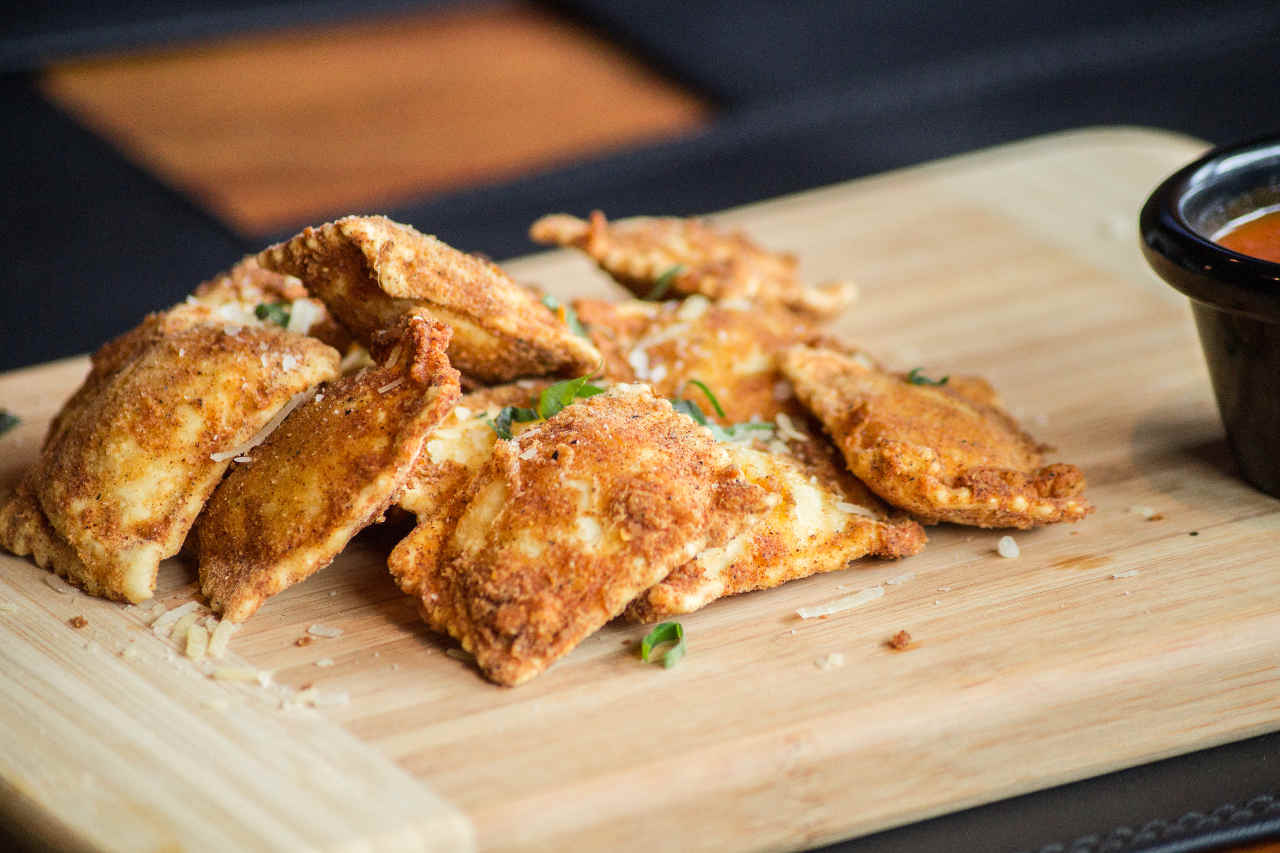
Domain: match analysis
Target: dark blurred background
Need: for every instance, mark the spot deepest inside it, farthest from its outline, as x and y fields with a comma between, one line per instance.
x=150, y=144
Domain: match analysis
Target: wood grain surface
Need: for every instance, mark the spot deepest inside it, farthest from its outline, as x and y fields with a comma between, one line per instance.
x=1105, y=644
x=274, y=129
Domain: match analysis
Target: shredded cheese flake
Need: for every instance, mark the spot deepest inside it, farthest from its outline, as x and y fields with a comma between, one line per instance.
x=58, y=585
x=1130, y=573
x=855, y=509
x=324, y=662
x=1007, y=548
x=197, y=642
x=261, y=436
x=324, y=631
x=826, y=663
x=183, y=625
x=392, y=385
x=1144, y=511
x=902, y=578
x=162, y=626
x=221, y=637
x=234, y=673
x=847, y=602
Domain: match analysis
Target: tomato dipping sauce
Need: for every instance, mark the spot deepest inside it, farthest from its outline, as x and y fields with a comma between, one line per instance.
x=1256, y=234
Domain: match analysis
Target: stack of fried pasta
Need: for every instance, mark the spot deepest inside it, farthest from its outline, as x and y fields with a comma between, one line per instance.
x=566, y=465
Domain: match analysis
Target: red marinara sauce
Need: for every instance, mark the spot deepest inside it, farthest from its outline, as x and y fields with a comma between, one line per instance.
x=1256, y=235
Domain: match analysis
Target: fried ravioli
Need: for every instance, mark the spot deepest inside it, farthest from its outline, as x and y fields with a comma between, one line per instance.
x=24, y=530
x=568, y=522
x=126, y=471
x=939, y=454
x=656, y=257
x=453, y=453
x=369, y=270
x=813, y=528
x=330, y=469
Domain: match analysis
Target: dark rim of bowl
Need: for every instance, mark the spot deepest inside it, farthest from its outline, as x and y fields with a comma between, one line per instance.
x=1166, y=232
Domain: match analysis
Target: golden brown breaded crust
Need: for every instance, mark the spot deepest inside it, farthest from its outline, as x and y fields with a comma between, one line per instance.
x=693, y=257
x=369, y=270
x=731, y=347
x=124, y=478
x=330, y=470
x=241, y=289
x=572, y=519
x=811, y=529
x=24, y=530
x=454, y=451
x=938, y=454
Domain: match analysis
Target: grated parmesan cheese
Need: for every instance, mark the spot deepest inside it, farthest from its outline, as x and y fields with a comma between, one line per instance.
x=826, y=663
x=1130, y=573
x=392, y=385
x=234, y=673
x=261, y=436
x=8, y=607
x=847, y=602
x=903, y=578
x=324, y=662
x=856, y=509
x=1007, y=548
x=197, y=642
x=303, y=314
x=787, y=428
x=162, y=626
x=221, y=637
x=183, y=625
x=58, y=585
x=1144, y=511
x=324, y=631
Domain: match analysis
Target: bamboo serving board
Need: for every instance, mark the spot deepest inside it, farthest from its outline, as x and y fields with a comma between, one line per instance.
x=1106, y=644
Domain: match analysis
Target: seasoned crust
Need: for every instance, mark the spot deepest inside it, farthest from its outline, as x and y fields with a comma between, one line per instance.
x=572, y=519
x=127, y=469
x=939, y=454
x=368, y=270
x=718, y=264
x=454, y=451
x=25, y=531
x=812, y=528
x=330, y=469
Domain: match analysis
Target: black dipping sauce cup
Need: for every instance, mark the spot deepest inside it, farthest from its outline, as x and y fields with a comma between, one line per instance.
x=1235, y=298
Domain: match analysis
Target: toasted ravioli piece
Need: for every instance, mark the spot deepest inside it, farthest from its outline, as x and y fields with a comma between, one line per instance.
x=732, y=347
x=24, y=530
x=455, y=450
x=369, y=270
x=657, y=257
x=939, y=454
x=572, y=519
x=237, y=294
x=812, y=528
x=330, y=470
x=124, y=477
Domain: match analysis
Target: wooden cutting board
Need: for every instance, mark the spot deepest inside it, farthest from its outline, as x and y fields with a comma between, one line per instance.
x=1106, y=644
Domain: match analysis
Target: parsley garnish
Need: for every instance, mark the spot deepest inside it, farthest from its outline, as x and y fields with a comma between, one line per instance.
x=915, y=377
x=566, y=313
x=8, y=421
x=273, y=312
x=557, y=396
x=664, y=282
x=552, y=400
x=667, y=632
x=721, y=433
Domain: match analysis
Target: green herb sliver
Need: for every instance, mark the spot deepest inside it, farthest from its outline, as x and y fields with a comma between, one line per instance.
x=8, y=421
x=715, y=404
x=567, y=313
x=666, y=632
x=721, y=433
x=664, y=282
x=508, y=415
x=915, y=377
x=273, y=312
x=557, y=396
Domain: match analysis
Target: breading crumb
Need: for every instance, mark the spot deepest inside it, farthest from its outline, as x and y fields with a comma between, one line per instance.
x=900, y=641
x=78, y=622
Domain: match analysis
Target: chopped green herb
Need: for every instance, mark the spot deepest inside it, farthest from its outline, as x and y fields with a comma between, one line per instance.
x=667, y=632
x=8, y=421
x=715, y=404
x=664, y=282
x=273, y=312
x=567, y=313
x=508, y=415
x=557, y=396
x=915, y=377
x=721, y=433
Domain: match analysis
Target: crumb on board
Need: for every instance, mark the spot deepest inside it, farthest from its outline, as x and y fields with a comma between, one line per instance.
x=304, y=641
x=900, y=641
x=78, y=622
x=1007, y=548
x=826, y=663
